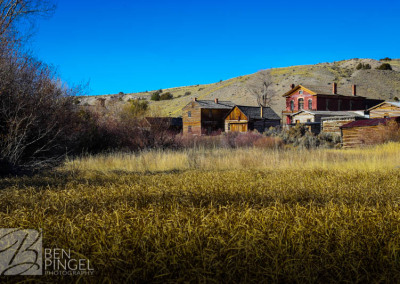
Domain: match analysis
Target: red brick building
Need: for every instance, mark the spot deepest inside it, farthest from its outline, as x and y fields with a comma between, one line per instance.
x=323, y=98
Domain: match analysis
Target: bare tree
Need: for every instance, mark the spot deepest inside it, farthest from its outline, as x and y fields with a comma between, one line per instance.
x=37, y=115
x=17, y=13
x=263, y=94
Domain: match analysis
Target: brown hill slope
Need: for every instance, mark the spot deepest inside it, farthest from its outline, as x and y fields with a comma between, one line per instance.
x=371, y=83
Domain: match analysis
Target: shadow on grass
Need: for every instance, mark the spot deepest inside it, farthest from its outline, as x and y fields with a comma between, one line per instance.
x=59, y=179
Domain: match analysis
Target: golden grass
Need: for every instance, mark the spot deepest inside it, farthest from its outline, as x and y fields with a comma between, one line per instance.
x=380, y=157
x=220, y=215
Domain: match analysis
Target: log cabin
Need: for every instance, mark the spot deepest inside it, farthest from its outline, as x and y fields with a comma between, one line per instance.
x=248, y=118
x=332, y=124
x=385, y=109
x=323, y=98
x=365, y=132
x=205, y=116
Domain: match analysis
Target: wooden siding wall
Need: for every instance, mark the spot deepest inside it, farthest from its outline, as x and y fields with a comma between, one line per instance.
x=356, y=136
x=385, y=110
x=236, y=114
x=333, y=126
x=194, y=121
x=237, y=120
x=202, y=121
x=239, y=127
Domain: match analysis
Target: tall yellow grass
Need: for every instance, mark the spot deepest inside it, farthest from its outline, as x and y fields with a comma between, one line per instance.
x=379, y=157
x=219, y=215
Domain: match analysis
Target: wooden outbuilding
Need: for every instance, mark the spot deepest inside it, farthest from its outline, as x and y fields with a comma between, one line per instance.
x=313, y=120
x=332, y=124
x=364, y=132
x=248, y=118
x=385, y=109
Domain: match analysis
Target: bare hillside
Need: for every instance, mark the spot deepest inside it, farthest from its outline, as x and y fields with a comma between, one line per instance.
x=372, y=83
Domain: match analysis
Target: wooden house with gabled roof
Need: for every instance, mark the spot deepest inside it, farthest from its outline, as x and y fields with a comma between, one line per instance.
x=385, y=109
x=247, y=118
x=205, y=116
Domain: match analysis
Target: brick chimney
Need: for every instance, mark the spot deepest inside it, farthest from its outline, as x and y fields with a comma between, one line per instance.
x=292, y=86
x=334, y=88
x=216, y=101
x=354, y=90
x=195, y=99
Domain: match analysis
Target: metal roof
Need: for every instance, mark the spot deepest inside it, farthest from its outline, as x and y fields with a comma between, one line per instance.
x=367, y=122
x=329, y=113
x=211, y=104
x=254, y=112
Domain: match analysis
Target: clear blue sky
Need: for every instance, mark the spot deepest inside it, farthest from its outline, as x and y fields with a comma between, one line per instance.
x=133, y=46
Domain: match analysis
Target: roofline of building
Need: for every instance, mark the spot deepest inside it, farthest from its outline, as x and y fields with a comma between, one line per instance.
x=378, y=105
x=315, y=94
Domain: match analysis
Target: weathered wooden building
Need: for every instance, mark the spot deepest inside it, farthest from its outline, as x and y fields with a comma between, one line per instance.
x=385, y=109
x=332, y=124
x=313, y=120
x=364, y=132
x=323, y=98
x=248, y=118
x=205, y=116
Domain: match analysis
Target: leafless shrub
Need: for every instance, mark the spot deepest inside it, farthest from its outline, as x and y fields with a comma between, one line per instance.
x=390, y=131
x=36, y=115
x=269, y=143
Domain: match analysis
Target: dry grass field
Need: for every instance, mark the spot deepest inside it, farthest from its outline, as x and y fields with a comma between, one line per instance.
x=219, y=215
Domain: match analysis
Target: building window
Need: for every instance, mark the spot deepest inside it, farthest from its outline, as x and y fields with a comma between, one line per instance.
x=309, y=120
x=292, y=105
x=210, y=113
x=339, y=104
x=351, y=105
x=301, y=92
x=189, y=114
x=189, y=129
x=229, y=127
x=310, y=104
x=301, y=103
x=327, y=104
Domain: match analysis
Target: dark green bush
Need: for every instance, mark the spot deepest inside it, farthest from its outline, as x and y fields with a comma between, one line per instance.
x=363, y=66
x=155, y=96
x=384, y=66
x=166, y=96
